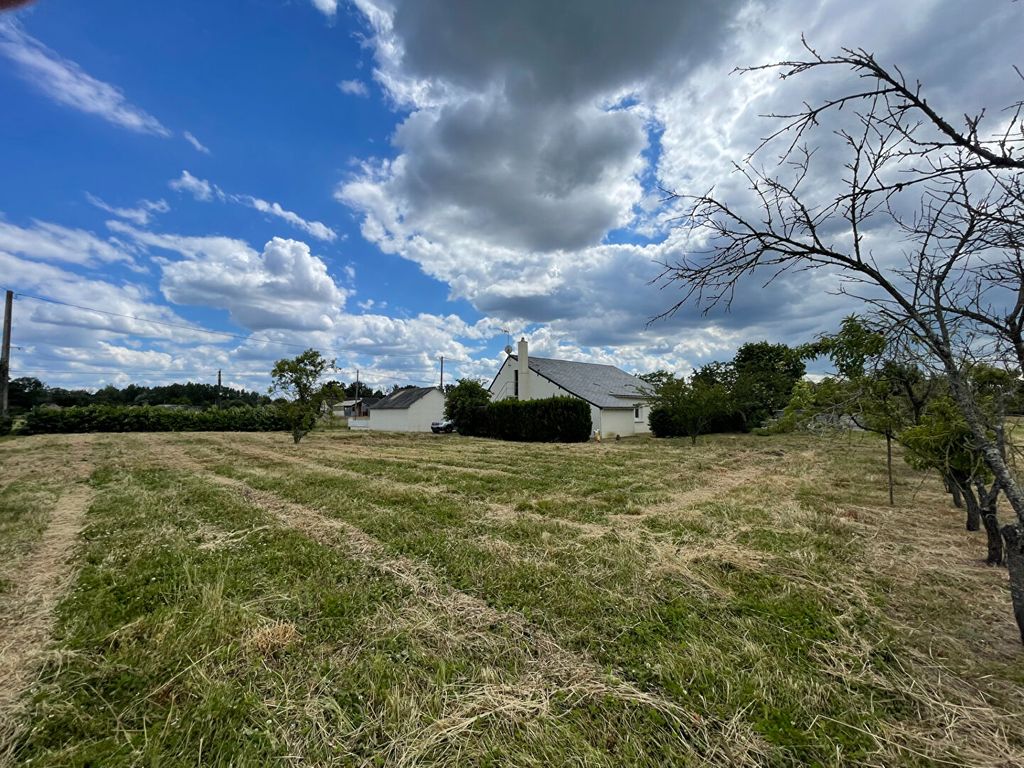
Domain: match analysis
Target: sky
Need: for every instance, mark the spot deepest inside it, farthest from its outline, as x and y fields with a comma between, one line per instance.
x=194, y=186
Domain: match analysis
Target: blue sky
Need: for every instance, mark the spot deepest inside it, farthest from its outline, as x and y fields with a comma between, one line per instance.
x=391, y=181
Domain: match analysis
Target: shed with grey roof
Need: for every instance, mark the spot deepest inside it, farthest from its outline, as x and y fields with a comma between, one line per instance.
x=412, y=409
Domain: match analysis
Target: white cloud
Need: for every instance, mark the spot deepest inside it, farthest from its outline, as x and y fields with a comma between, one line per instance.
x=200, y=189
x=316, y=229
x=198, y=145
x=66, y=83
x=284, y=286
x=45, y=241
x=140, y=215
x=283, y=293
x=327, y=7
x=205, y=191
x=354, y=88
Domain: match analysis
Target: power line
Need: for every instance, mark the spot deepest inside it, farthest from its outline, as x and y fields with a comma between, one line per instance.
x=183, y=326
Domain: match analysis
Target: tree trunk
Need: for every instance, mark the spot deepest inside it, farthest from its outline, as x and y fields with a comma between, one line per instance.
x=953, y=490
x=1015, y=559
x=985, y=445
x=888, y=461
x=988, y=503
x=973, y=507
x=995, y=540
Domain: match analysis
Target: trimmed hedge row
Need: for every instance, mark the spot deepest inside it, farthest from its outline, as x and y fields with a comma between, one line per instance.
x=552, y=420
x=145, y=418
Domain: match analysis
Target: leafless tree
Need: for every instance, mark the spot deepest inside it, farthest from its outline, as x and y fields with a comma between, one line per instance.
x=925, y=227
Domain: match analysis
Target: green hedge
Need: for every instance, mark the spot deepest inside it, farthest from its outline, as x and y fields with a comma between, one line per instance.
x=130, y=418
x=553, y=420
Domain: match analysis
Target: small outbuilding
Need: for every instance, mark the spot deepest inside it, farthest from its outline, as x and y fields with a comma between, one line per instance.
x=356, y=408
x=407, y=410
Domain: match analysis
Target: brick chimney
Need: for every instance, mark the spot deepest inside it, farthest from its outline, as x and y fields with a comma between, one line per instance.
x=524, y=370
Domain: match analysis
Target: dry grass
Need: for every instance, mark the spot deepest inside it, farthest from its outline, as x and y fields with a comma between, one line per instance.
x=26, y=611
x=271, y=638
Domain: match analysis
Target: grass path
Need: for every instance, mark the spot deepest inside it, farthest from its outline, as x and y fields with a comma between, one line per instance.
x=47, y=498
x=38, y=583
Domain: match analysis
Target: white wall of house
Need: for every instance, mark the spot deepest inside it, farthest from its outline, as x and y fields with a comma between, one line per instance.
x=616, y=422
x=416, y=418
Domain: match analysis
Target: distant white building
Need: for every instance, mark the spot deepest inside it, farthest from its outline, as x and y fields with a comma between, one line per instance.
x=619, y=404
x=407, y=410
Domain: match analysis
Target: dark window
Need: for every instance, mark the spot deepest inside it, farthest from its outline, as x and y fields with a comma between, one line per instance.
x=515, y=387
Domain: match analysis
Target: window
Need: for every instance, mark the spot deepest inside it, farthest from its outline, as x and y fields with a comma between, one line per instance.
x=515, y=386
x=636, y=413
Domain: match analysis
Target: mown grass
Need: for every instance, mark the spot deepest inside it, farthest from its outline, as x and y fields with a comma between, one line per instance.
x=747, y=601
x=25, y=506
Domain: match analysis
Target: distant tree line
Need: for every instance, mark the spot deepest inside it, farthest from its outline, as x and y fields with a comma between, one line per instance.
x=27, y=393
x=340, y=391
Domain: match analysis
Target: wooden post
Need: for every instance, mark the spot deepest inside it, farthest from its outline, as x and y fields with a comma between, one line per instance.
x=442, y=373
x=5, y=352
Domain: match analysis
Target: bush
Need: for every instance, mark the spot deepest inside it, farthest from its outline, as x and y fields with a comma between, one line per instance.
x=553, y=420
x=662, y=423
x=129, y=418
x=5, y=425
x=463, y=401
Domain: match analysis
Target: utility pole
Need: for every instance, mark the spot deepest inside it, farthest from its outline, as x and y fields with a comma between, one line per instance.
x=357, y=383
x=442, y=373
x=218, y=387
x=5, y=352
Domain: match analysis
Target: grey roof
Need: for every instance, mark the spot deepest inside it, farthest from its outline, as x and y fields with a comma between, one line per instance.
x=401, y=399
x=602, y=385
x=367, y=401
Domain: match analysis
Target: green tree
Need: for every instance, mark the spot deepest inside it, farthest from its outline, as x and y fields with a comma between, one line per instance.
x=25, y=393
x=765, y=375
x=655, y=380
x=463, y=401
x=876, y=391
x=942, y=441
x=298, y=379
x=689, y=407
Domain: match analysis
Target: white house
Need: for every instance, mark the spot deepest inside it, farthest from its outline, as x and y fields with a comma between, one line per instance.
x=407, y=410
x=619, y=405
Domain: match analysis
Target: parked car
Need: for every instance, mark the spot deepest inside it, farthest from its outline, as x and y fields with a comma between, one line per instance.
x=445, y=425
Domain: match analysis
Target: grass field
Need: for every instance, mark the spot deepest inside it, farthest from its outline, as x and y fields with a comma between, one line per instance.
x=366, y=599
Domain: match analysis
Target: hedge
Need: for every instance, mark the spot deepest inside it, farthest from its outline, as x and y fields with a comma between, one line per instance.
x=552, y=420
x=145, y=418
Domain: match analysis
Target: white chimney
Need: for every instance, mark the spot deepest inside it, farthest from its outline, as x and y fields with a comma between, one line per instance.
x=524, y=370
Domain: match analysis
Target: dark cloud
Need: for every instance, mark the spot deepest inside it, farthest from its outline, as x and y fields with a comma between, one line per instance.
x=571, y=50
